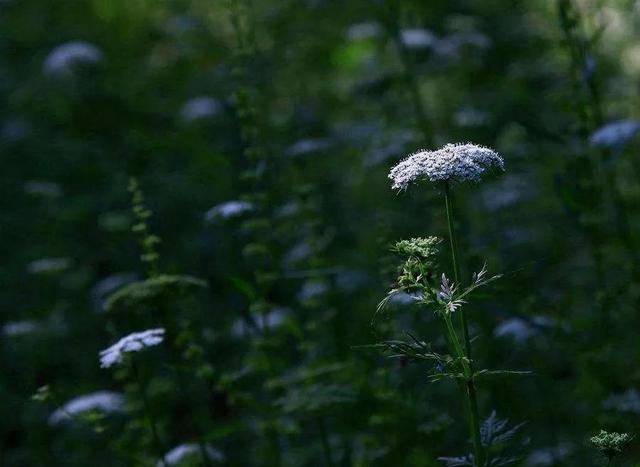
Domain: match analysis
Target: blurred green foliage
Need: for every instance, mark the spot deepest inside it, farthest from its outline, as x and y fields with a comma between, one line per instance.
x=294, y=111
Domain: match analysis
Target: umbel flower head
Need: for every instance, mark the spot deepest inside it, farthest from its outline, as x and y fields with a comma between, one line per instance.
x=610, y=444
x=452, y=163
x=104, y=401
x=134, y=342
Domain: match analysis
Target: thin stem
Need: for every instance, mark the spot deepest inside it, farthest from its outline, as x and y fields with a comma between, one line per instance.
x=472, y=398
x=150, y=416
x=474, y=423
x=456, y=268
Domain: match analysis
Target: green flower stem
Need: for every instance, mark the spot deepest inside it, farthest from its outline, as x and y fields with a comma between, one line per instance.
x=149, y=414
x=456, y=267
x=472, y=399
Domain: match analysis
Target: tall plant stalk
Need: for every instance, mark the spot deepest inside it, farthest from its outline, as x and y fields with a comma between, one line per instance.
x=472, y=399
x=149, y=415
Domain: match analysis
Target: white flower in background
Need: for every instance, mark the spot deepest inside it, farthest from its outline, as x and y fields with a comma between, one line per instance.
x=48, y=265
x=521, y=330
x=308, y=146
x=312, y=289
x=134, y=342
x=628, y=401
x=417, y=38
x=615, y=134
x=180, y=453
x=64, y=57
x=547, y=457
x=227, y=210
x=452, y=163
x=298, y=253
x=507, y=191
x=199, y=108
x=21, y=328
x=103, y=401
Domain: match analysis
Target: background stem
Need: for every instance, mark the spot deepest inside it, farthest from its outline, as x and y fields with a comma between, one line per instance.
x=150, y=416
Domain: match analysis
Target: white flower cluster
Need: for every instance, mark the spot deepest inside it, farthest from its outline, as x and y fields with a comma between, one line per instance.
x=64, y=57
x=453, y=162
x=104, y=401
x=180, y=453
x=228, y=210
x=134, y=342
x=615, y=134
x=200, y=108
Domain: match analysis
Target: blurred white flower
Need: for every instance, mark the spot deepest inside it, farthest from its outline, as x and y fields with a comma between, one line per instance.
x=521, y=330
x=103, y=401
x=507, y=191
x=48, y=265
x=454, y=162
x=20, y=328
x=615, y=134
x=312, y=289
x=417, y=38
x=64, y=57
x=628, y=401
x=227, y=210
x=298, y=252
x=308, y=146
x=548, y=456
x=180, y=453
x=42, y=188
x=199, y=108
x=134, y=342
